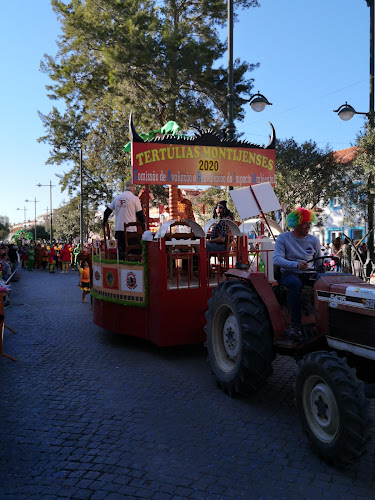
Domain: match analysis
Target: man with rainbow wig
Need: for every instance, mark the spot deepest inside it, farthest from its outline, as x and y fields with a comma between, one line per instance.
x=293, y=252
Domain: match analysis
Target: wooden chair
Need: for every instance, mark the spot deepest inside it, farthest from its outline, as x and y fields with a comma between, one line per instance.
x=232, y=244
x=180, y=248
x=133, y=241
x=223, y=258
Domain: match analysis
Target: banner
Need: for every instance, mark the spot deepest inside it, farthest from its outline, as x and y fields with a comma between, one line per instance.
x=201, y=165
x=96, y=243
x=125, y=283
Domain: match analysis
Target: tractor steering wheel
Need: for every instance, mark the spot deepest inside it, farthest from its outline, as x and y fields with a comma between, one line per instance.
x=322, y=268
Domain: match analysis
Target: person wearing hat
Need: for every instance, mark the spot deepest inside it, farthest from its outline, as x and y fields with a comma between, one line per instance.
x=127, y=208
x=293, y=251
x=219, y=231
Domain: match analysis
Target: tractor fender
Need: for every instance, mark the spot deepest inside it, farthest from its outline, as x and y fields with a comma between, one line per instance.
x=264, y=289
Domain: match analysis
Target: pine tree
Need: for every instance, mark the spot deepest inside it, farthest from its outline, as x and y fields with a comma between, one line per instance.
x=158, y=59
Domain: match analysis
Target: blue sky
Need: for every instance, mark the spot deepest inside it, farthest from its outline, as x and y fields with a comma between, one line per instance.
x=313, y=57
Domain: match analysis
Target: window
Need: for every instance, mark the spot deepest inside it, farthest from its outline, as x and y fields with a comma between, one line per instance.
x=357, y=234
x=335, y=235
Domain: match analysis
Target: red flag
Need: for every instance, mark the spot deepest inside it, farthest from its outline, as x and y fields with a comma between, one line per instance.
x=204, y=209
x=161, y=209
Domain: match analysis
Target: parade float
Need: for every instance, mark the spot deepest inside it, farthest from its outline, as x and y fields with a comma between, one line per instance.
x=161, y=290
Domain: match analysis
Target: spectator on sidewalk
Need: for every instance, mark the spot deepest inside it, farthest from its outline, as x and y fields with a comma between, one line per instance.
x=5, y=267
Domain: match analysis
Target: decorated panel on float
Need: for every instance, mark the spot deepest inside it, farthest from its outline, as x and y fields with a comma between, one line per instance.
x=120, y=283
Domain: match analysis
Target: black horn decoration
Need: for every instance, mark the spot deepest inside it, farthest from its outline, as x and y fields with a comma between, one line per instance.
x=272, y=143
x=134, y=137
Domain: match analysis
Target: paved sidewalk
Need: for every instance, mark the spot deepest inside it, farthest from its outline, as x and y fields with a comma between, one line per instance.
x=86, y=414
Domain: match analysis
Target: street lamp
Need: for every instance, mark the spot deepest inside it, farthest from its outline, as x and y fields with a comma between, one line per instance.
x=346, y=112
x=257, y=102
x=50, y=202
x=24, y=215
x=35, y=202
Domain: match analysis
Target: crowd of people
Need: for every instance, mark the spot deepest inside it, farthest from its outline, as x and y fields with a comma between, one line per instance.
x=350, y=256
x=58, y=257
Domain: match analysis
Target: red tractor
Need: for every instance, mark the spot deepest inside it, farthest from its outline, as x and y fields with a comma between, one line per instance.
x=246, y=318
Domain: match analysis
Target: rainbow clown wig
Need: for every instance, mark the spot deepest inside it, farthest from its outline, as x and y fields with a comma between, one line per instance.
x=299, y=216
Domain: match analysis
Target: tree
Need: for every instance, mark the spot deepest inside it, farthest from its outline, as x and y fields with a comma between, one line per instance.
x=209, y=198
x=362, y=182
x=306, y=174
x=4, y=227
x=67, y=221
x=42, y=233
x=159, y=59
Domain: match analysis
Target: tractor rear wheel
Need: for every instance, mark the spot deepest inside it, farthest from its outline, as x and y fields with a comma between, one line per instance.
x=332, y=407
x=239, y=338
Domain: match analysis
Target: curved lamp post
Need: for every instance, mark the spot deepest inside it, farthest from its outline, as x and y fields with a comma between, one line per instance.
x=346, y=112
x=24, y=215
x=62, y=148
x=35, y=202
x=257, y=102
x=50, y=185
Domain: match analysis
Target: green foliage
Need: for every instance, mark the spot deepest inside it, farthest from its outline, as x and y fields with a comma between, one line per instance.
x=66, y=221
x=362, y=172
x=4, y=228
x=42, y=233
x=362, y=181
x=306, y=174
x=209, y=197
x=158, y=59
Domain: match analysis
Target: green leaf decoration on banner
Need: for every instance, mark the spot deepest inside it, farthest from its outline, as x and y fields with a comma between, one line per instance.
x=170, y=128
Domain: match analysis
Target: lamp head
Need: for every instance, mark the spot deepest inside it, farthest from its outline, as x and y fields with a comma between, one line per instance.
x=258, y=102
x=345, y=112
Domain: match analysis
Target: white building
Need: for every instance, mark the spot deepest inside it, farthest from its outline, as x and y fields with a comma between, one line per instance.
x=333, y=215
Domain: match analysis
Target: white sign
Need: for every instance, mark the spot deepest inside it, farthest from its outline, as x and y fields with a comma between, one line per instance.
x=251, y=203
x=97, y=278
x=361, y=292
x=132, y=281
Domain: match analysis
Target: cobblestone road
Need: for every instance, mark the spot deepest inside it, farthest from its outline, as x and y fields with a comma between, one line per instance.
x=86, y=414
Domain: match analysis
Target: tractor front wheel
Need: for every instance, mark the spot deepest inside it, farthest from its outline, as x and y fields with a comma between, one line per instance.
x=239, y=338
x=332, y=407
